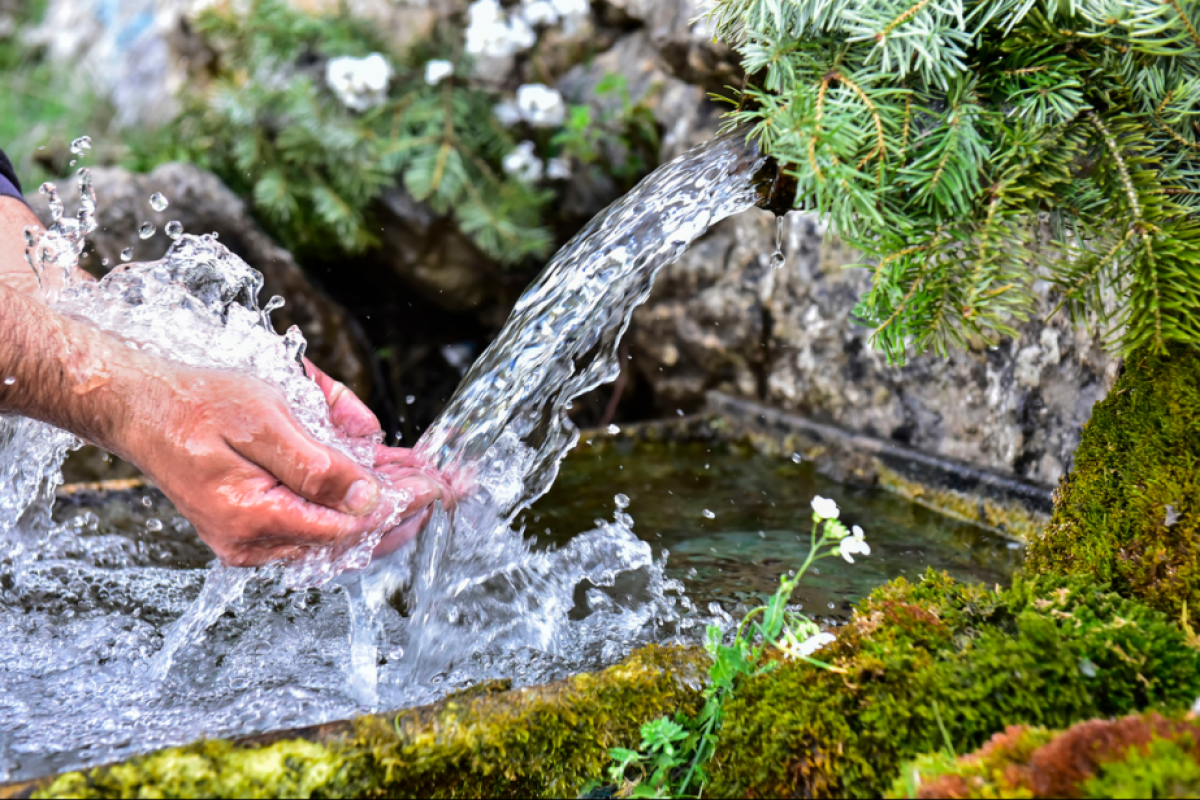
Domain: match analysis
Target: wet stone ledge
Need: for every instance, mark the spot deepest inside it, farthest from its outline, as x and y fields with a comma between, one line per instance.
x=488, y=741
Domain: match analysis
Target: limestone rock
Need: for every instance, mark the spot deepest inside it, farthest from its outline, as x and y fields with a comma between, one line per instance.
x=683, y=38
x=703, y=326
x=433, y=257
x=203, y=204
x=721, y=318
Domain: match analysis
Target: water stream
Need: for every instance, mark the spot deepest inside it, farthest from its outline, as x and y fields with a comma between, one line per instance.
x=113, y=650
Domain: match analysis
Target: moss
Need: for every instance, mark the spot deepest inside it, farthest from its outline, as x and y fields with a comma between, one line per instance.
x=544, y=741
x=939, y=654
x=1145, y=755
x=1129, y=512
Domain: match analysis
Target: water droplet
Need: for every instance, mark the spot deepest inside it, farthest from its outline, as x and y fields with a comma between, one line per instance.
x=778, y=258
x=104, y=262
x=796, y=458
x=158, y=202
x=622, y=501
x=679, y=411
x=174, y=229
x=81, y=144
x=154, y=525
x=146, y=230
x=9, y=381
x=708, y=514
x=831, y=605
x=146, y=501
x=71, y=163
x=56, y=206
x=127, y=254
x=613, y=430
x=762, y=534
x=409, y=399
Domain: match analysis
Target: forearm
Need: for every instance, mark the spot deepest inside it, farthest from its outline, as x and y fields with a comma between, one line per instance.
x=62, y=371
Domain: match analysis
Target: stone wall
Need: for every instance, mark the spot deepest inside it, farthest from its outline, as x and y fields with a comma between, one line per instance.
x=722, y=318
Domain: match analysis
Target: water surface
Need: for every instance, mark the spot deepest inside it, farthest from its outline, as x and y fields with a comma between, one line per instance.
x=761, y=524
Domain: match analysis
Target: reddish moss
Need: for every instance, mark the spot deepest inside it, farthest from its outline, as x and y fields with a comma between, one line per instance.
x=1138, y=755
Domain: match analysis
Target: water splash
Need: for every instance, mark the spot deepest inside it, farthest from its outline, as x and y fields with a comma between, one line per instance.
x=470, y=599
x=474, y=583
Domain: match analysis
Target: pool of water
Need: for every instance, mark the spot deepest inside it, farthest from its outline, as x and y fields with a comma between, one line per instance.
x=760, y=524
x=121, y=568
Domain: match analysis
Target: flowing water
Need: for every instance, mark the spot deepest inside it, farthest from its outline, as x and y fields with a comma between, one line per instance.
x=114, y=646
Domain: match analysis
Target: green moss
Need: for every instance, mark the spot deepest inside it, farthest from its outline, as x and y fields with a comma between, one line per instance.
x=1166, y=768
x=1144, y=755
x=545, y=741
x=1129, y=512
x=294, y=768
x=937, y=654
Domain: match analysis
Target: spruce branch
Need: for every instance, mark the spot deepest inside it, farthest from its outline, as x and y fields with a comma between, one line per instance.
x=1007, y=141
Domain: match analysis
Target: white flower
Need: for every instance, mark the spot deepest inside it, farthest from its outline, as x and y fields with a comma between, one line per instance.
x=539, y=12
x=359, y=83
x=522, y=163
x=814, y=643
x=436, y=70
x=573, y=14
x=824, y=508
x=507, y=113
x=541, y=106
x=558, y=169
x=491, y=33
x=853, y=544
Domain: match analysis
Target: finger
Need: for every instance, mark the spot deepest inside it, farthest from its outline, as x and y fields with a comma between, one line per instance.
x=420, y=489
x=395, y=457
x=311, y=470
x=348, y=413
x=402, y=534
x=283, y=527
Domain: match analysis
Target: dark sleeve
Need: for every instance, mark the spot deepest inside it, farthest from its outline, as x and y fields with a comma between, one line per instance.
x=9, y=185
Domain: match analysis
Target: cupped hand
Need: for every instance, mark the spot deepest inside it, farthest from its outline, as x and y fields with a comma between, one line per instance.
x=257, y=487
x=404, y=470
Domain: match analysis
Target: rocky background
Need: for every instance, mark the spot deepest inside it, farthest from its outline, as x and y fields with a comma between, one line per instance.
x=721, y=318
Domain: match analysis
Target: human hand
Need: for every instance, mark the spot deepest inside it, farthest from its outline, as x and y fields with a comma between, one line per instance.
x=403, y=469
x=399, y=466
x=226, y=450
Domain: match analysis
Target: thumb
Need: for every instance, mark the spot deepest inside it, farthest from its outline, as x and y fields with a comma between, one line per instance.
x=308, y=468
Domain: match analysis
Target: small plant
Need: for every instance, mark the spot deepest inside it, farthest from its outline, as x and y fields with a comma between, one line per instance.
x=312, y=118
x=673, y=754
x=622, y=139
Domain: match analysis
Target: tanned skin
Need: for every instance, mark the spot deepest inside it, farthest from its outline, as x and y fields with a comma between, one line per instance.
x=222, y=446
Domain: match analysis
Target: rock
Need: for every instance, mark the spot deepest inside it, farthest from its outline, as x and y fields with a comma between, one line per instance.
x=703, y=326
x=683, y=38
x=684, y=112
x=435, y=259
x=203, y=204
x=137, y=52
x=1018, y=407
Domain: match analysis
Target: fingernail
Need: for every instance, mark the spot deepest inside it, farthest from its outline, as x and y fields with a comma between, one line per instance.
x=362, y=497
